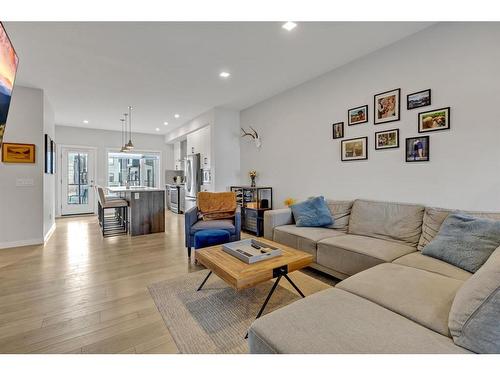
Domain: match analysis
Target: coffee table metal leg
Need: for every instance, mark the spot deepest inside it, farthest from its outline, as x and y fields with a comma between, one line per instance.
x=271, y=293
x=204, y=281
x=294, y=286
x=267, y=300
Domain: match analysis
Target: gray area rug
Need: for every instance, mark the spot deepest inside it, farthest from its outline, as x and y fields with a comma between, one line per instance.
x=215, y=319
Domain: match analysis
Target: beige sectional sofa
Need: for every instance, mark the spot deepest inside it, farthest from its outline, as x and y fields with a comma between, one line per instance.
x=392, y=298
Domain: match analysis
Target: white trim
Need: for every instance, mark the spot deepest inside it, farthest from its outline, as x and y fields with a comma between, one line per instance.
x=33, y=241
x=49, y=233
x=60, y=150
x=158, y=153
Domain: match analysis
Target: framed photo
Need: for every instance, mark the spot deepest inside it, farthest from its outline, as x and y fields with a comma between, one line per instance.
x=358, y=115
x=387, y=106
x=18, y=153
x=338, y=130
x=354, y=149
x=437, y=119
x=387, y=139
x=53, y=156
x=417, y=149
x=48, y=154
x=418, y=99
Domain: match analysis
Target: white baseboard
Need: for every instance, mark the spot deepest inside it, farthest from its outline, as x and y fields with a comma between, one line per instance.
x=33, y=241
x=49, y=233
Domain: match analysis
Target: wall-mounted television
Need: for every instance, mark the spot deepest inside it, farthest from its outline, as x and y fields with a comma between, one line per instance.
x=8, y=69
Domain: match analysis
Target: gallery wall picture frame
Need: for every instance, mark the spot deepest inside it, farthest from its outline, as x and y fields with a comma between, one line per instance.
x=338, y=130
x=387, y=139
x=418, y=99
x=47, y=154
x=53, y=157
x=357, y=115
x=434, y=120
x=387, y=106
x=23, y=153
x=417, y=149
x=354, y=149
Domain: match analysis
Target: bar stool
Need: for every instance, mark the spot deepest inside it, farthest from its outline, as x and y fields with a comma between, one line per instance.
x=117, y=223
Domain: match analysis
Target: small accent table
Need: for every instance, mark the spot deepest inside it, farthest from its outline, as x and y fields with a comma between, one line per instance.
x=240, y=275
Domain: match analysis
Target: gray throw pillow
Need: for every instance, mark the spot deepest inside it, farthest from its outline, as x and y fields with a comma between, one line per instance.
x=465, y=241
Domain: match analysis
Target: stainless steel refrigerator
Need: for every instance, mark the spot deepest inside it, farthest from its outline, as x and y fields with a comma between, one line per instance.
x=192, y=174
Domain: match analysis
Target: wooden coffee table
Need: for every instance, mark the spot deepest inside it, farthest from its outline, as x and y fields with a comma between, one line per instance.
x=240, y=275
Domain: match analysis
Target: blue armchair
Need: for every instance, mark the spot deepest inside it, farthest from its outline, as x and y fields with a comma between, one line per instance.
x=192, y=225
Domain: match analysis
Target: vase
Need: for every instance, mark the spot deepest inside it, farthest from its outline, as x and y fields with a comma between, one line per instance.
x=253, y=181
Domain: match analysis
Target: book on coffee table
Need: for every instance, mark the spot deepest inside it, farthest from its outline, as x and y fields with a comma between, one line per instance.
x=251, y=251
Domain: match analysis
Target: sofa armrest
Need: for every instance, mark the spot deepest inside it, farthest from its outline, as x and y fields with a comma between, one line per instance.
x=275, y=218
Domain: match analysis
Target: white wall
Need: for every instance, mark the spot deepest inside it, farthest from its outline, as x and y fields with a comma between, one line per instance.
x=22, y=208
x=459, y=62
x=225, y=149
x=49, y=180
x=104, y=140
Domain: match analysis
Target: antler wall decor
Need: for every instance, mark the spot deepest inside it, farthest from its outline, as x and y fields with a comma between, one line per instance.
x=254, y=135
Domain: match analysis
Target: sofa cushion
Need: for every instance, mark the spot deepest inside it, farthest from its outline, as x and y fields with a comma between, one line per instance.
x=341, y=211
x=350, y=254
x=214, y=224
x=396, y=222
x=475, y=313
x=337, y=322
x=312, y=212
x=422, y=296
x=465, y=241
x=434, y=217
x=303, y=238
x=423, y=262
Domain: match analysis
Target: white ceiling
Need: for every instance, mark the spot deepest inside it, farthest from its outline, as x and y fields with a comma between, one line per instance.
x=93, y=71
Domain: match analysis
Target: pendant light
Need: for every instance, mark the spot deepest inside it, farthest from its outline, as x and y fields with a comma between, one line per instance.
x=130, y=145
x=123, y=149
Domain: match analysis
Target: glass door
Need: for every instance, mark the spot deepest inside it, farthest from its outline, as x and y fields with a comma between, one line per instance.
x=77, y=181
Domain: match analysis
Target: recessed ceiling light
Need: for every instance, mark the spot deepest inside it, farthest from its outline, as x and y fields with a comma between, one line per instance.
x=85, y=121
x=165, y=123
x=224, y=74
x=157, y=129
x=289, y=26
x=177, y=115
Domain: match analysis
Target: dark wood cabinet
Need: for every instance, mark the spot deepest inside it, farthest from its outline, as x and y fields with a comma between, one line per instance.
x=254, y=201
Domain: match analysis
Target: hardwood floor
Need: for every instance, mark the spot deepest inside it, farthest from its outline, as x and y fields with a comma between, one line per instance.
x=82, y=293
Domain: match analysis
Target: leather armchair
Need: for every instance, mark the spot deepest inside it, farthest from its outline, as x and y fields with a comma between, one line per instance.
x=192, y=224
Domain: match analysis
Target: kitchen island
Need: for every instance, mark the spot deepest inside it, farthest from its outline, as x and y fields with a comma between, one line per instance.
x=146, y=208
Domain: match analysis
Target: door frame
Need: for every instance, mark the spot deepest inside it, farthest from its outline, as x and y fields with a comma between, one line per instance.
x=59, y=150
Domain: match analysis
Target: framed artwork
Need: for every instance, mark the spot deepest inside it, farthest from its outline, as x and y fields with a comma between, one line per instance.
x=53, y=156
x=354, y=149
x=338, y=130
x=418, y=99
x=437, y=119
x=358, y=115
x=387, y=106
x=18, y=153
x=48, y=154
x=417, y=149
x=387, y=139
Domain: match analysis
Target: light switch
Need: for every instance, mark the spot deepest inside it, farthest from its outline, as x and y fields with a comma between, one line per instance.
x=24, y=182
x=136, y=195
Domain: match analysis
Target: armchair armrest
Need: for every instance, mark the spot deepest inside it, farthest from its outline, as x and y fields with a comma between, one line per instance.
x=237, y=222
x=275, y=218
x=190, y=218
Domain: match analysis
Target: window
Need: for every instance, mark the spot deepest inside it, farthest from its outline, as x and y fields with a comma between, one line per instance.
x=134, y=169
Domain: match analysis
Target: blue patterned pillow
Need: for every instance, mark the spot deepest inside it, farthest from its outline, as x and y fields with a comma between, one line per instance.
x=313, y=212
x=465, y=241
